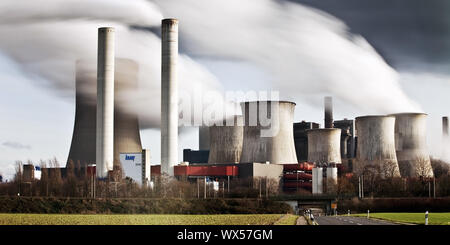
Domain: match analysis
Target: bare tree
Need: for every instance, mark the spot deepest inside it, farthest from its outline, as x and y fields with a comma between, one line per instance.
x=389, y=169
x=422, y=168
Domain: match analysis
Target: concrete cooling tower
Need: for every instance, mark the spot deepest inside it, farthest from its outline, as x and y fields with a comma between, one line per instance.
x=411, y=145
x=268, y=140
x=226, y=142
x=376, y=143
x=126, y=127
x=324, y=145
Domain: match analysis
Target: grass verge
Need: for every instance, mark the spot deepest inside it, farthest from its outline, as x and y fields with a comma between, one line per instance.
x=288, y=219
x=413, y=218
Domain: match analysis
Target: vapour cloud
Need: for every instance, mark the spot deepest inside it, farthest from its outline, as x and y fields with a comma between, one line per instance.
x=305, y=52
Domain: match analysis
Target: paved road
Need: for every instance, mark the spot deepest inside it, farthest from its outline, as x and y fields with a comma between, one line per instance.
x=349, y=220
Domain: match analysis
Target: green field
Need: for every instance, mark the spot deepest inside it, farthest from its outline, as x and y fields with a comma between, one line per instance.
x=143, y=219
x=288, y=219
x=414, y=218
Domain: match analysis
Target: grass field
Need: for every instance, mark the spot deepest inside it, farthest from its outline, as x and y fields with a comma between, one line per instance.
x=140, y=219
x=414, y=218
x=288, y=219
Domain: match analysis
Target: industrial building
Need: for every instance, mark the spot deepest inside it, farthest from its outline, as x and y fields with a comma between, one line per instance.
x=348, y=141
x=263, y=143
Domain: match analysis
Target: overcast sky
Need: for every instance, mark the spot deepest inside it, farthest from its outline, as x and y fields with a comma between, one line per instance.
x=337, y=48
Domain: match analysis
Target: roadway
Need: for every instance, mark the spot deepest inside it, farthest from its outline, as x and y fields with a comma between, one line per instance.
x=349, y=220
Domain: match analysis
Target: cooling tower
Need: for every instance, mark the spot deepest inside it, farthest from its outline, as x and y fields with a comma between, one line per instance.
x=324, y=145
x=376, y=143
x=169, y=96
x=203, y=138
x=105, y=102
x=226, y=142
x=126, y=127
x=268, y=140
x=411, y=145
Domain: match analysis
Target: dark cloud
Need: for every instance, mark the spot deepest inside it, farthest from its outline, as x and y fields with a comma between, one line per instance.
x=404, y=32
x=16, y=145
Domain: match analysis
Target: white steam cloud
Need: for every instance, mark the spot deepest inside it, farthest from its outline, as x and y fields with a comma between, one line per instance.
x=305, y=52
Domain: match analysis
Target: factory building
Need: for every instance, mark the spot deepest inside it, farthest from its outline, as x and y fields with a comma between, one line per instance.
x=263, y=143
x=348, y=142
x=297, y=177
x=195, y=157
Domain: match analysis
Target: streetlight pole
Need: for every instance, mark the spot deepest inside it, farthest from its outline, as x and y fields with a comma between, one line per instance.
x=205, y=189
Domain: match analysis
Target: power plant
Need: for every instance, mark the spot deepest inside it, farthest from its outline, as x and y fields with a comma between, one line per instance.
x=263, y=143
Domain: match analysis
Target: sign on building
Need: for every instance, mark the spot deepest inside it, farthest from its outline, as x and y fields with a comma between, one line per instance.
x=216, y=185
x=37, y=172
x=132, y=165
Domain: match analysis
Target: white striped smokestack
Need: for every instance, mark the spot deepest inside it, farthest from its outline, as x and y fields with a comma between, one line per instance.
x=169, y=96
x=105, y=102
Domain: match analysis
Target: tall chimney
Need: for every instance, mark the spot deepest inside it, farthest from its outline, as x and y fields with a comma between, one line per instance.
x=445, y=126
x=169, y=96
x=328, y=112
x=105, y=102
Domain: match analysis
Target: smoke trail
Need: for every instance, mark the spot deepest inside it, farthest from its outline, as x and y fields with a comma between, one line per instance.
x=305, y=52
x=47, y=42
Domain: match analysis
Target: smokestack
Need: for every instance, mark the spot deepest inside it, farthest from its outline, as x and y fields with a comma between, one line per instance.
x=328, y=112
x=445, y=126
x=105, y=102
x=169, y=96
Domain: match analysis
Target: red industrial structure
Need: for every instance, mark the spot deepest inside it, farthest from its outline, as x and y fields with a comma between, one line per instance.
x=297, y=175
x=200, y=170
